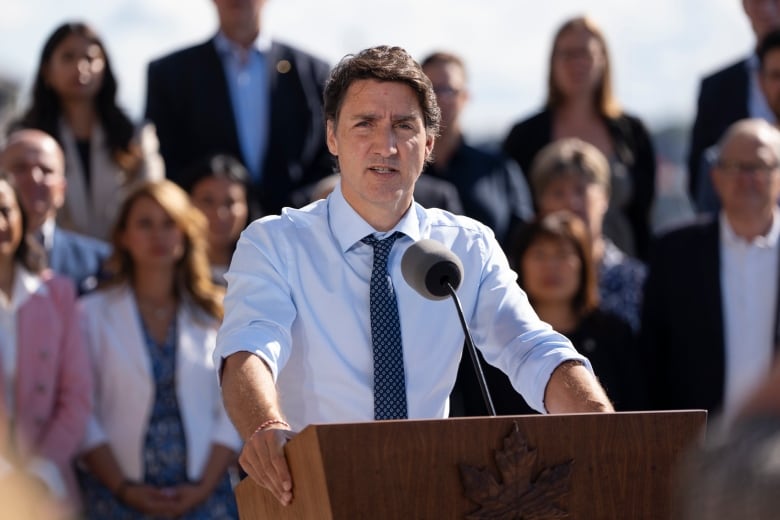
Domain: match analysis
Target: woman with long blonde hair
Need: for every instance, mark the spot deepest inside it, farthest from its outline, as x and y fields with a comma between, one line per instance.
x=160, y=442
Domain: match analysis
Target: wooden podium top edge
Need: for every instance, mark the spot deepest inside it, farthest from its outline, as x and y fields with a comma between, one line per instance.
x=691, y=412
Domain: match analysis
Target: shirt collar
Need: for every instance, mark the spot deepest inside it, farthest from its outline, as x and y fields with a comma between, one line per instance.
x=349, y=228
x=47, y=232
x=225, y=45
x=729, y=237
x=25, y=285
x=752, y=62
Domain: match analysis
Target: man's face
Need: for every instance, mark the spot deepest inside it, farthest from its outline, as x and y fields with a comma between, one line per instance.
x=747, y=176
x=449, y=83
x=381, y=144
x=764, y=16
x=770, y=80
x=236, y=12
x=36, y=162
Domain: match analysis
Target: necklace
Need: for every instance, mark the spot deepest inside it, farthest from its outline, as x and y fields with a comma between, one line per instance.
x=158, y=312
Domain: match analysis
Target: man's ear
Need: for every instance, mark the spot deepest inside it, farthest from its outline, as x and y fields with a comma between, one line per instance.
x=429, y=142
x=330, y=129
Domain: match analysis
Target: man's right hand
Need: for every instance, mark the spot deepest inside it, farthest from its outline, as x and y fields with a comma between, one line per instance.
x=262, y=457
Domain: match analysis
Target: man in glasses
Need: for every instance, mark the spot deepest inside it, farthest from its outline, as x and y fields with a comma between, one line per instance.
x=732, y=93
x=768, y=85
x=491, y=186
x=710, y=317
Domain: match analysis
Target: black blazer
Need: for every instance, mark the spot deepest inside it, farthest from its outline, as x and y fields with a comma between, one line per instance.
x=681, y=336
x=189, y=102
x=723, y=99
x=633, y=148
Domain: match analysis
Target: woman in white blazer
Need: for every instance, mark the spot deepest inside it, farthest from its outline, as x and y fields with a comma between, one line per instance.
x=159, y=442
x=74, y=100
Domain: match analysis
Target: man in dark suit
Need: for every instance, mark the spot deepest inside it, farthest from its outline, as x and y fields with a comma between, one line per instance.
x=242, y=94
x=491, y=186
x=732, y=93
x=37, y=164
x=709, y=322
x=768, y=55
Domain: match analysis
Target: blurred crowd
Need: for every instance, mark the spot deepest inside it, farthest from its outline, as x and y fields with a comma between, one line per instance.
x=115, y=235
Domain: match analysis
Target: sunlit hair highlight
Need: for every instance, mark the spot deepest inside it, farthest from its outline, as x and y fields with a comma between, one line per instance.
x=193, y=275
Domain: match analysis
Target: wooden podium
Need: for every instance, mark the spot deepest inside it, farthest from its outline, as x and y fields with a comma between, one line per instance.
x=579, y=466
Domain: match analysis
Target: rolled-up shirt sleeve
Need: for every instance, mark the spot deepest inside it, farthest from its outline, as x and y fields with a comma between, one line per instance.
x=259, y=309
x=510, y=334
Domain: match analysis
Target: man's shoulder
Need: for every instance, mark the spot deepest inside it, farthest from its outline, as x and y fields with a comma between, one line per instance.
x=689, y=234
x=439, y=219
x=728, y=73
x=82, y=243
x=483, y=157
x=313, y=215
x=296, y=54
x=283, y=47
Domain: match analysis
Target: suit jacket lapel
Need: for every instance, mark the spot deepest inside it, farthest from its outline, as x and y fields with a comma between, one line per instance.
x=276, y=96
x=128, y=329
x=710, y=263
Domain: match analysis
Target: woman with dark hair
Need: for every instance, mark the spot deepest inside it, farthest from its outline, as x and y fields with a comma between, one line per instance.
x=45, y=383
x=160, y=442
x=556, y=270
x=570, y=174
x=74, y=100
x=218, y=186
x=581, y=103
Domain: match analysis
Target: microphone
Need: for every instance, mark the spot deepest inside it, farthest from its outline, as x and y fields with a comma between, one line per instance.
x=428, y=267
x=435, y=272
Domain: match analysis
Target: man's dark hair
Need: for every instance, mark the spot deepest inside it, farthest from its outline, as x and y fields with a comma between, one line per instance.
x=770, y=42
x=382, y=63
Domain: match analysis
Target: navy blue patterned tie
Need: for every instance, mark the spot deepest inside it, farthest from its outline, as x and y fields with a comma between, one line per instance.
x=389, y=381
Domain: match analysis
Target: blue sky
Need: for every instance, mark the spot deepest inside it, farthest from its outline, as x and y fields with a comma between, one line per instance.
x=660, y=49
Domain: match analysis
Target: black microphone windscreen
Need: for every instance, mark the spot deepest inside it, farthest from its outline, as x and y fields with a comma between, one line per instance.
x=428, y=266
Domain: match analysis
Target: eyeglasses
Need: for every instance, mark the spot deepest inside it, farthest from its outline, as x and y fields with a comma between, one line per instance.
x=754, y=168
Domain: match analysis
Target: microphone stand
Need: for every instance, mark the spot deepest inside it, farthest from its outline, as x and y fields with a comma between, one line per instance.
x=472, y=352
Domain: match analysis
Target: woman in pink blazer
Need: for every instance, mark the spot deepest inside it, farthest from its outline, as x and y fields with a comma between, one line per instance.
x=45, y=381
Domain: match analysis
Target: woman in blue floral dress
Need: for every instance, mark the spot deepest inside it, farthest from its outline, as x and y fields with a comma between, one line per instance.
x=160, y=443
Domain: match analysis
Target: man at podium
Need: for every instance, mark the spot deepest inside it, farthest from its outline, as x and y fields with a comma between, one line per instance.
x=320, y=326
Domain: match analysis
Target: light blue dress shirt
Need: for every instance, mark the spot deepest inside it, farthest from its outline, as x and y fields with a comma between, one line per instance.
x=298, y=297
x=247, y=79
x=757, y=103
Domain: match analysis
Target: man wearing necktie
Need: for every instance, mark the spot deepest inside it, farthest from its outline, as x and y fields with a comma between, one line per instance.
x=319, y=324
x=244, y=94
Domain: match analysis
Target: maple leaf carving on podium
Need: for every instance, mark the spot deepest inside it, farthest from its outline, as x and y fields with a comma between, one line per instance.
x=520, y=495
